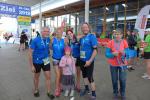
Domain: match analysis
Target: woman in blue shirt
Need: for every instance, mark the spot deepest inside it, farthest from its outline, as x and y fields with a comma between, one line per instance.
x=58, y=45
x=88, y=51
x=75, y=46
x=39, y=57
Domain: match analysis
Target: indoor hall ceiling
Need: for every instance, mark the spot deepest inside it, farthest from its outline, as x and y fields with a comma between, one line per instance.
x=76, y=7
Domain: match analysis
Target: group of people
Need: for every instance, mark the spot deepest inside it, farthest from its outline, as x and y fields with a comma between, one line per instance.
x=7, y=36
x=69, y=56
x=139, y=49
x=75, y=54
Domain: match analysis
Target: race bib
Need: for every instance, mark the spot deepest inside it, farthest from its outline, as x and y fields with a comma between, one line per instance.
x=82, y=54
x=46, y=61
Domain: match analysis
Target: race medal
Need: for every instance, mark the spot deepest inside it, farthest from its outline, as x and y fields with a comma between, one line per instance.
x=46, y=61
x=82, y=54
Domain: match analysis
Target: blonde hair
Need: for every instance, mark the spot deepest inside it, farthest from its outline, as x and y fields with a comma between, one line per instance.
x=87, y=25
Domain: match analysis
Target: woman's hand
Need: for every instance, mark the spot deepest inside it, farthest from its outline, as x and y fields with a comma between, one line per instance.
x=33, y=69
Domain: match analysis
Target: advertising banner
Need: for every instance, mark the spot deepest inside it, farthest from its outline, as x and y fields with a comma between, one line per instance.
x=24, y=20
x=141, y=20
x=9, y=9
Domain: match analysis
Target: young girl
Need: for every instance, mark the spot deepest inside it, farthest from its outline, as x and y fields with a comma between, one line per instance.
x=67, y=64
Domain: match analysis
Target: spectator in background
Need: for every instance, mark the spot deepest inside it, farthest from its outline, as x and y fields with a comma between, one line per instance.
x=147, y=54
x=128, y=33
x=132, y=42
x=37, y=34
x=23, y=39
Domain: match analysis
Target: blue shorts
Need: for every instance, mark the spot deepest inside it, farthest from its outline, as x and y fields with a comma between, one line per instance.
x=132, y=53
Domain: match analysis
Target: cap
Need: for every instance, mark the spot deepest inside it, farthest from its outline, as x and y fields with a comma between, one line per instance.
x=67, y=48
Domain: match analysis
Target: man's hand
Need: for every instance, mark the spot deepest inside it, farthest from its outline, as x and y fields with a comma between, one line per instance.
x=88, y=63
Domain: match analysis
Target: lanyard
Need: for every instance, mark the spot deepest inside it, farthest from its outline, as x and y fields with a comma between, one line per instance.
x=119, y=60
x=58, y=43
x=44, y=44
x=117, y=45
x=83, y=40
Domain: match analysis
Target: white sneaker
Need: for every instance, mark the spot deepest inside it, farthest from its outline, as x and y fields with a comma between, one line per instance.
x=72, y=98
x=72, y=93
x=66, y=93
x=128, y=66
x=146, y=76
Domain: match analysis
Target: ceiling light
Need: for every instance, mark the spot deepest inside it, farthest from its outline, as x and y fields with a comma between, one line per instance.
x=124, y=5
x=107, y=8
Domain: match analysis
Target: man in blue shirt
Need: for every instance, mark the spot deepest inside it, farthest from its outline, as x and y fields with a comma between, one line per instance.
x=88, y=51
x=39, y=57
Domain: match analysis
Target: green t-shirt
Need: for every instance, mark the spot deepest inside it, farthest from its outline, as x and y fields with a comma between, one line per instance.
x=147, y=40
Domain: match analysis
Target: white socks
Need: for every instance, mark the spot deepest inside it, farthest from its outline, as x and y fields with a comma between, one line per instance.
x=67, y=93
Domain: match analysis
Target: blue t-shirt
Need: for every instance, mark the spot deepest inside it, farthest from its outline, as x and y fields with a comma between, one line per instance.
x=75, y=49
x=40, y=48
x=58, y=48
x=86, y=46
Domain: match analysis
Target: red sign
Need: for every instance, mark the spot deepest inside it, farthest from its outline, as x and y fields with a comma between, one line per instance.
x=103, y=42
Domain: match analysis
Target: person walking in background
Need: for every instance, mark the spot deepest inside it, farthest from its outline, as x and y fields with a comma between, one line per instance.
x=26, y=42
x=147, y=54
x=23, y=38
x=117, y=53
x=132, y=42
x=67, y=64
x=37, y=34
